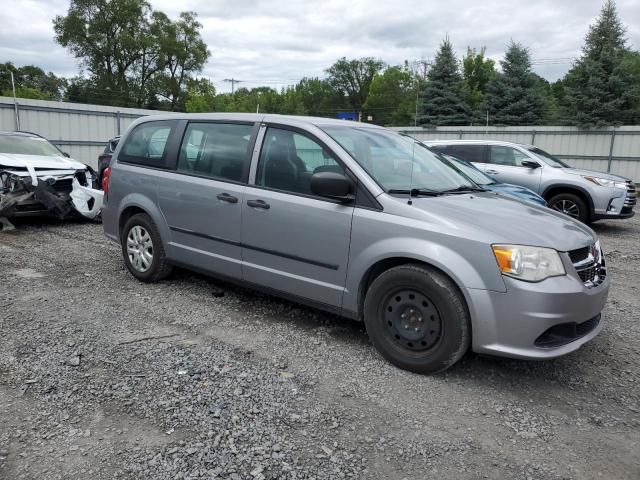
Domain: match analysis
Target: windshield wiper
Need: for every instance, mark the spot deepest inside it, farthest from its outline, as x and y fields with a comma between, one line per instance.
x=463, y=189
x=415, y=192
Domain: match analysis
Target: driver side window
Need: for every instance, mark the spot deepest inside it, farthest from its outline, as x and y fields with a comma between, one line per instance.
x=508, y=156
x=288, y=160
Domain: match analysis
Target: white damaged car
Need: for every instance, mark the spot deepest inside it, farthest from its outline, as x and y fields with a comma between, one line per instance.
x=37, y=178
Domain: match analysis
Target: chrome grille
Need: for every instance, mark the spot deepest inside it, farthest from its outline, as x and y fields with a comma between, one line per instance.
x=590, y=264
x=631, y=197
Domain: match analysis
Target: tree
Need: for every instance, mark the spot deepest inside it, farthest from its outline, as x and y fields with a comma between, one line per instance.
x=182, y=53
x=319, y=98
x=106, y=36
x=442, y=100
x=201, y=96
x=392, y=97
x=31, y=82
x=352, y=78
x=513, y=97
x=132, y=54
x=600, y=88
x=477, y=72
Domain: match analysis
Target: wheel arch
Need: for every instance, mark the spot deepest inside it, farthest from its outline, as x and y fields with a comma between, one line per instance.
x=385, y=264
x=556, y=189
x=136, y=203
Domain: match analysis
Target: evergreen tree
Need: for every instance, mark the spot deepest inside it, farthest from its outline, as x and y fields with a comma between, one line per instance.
x=442, y=100
x=601, y=89
x=513, y=96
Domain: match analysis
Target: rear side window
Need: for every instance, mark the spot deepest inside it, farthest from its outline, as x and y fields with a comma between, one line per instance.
x=509, y=156
x=470, y=153
x=215, y=150
x=146, y=144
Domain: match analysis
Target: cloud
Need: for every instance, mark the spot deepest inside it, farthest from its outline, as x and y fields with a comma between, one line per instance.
x=276, y=43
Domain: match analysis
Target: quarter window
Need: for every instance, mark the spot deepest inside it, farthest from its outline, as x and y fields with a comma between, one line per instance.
x=215, y=150
x=509, y=156
x=289, y=159
x=146, y=145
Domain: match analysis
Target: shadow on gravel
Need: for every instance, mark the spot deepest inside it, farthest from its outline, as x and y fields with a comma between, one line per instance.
x=613, y=227
x=32, y=223
x=281, y=310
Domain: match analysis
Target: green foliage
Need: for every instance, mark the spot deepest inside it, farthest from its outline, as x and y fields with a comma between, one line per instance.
x=392, y=97
x=133, y=54
x=513, y=96
x=442, y=100
x=477, y=72
x=602, y=87
x=31, y=82
x=352, y=78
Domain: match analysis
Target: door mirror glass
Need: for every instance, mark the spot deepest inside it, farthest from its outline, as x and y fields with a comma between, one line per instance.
x=332, y=185
x=530, y=164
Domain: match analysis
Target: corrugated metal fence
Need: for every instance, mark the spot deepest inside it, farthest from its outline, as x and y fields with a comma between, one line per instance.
x=83, y=130
x=615, y=150
x=79, y=129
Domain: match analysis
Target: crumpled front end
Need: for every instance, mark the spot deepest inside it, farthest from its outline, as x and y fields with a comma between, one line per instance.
x=61, y=194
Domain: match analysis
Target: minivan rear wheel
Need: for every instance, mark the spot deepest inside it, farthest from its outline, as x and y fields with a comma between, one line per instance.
x=142, y=249
x=570, y=204
x=417, y=318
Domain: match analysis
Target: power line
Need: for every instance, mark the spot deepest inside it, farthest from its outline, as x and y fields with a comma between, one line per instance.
x=233, y=82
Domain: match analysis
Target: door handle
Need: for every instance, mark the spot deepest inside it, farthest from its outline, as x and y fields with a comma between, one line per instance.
x=258, y=204
x=225, y=197
x=492, y=172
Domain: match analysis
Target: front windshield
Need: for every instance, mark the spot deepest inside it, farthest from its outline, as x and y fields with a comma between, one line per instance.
x=23, y=145
x=548, y=158
x=470, y=171
x=397, y=162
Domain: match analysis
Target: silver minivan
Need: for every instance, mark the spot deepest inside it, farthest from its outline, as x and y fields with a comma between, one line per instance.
x=361, y=221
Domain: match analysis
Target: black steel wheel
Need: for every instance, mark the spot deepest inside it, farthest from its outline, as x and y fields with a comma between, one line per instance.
x=413, y=320
x=417, y=318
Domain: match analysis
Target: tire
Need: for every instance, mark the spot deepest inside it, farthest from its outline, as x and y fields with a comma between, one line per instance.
x=568, y=203
x=438, y=332
x=140, y=229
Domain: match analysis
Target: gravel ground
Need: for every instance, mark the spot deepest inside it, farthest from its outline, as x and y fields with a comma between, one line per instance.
x=104, y=377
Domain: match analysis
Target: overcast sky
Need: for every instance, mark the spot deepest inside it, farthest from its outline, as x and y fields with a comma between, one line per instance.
x=277, y=42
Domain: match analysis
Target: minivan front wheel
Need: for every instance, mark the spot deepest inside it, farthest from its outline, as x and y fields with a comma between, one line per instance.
x=417, y=319
x=142, y=249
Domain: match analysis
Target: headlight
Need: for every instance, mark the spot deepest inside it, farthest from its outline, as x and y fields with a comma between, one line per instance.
x=605, y=182
x=531, y=264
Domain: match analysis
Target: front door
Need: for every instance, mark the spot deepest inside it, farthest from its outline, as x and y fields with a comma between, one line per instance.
x=202, y=200
x=292, y=240
x=505, y=166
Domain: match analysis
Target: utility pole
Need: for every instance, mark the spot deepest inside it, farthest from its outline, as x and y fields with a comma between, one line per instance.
x=233, y=82
x=15, y=102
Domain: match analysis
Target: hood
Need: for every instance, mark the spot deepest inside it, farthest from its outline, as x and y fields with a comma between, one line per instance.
x=500, y=219
x=593, y=173
x=516, y=191
x=39, y=162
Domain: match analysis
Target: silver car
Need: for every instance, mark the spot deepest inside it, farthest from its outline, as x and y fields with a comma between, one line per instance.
x=582, y=194
x=360, y=221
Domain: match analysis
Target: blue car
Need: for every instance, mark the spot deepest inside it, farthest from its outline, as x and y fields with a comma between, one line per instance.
x=485, y=181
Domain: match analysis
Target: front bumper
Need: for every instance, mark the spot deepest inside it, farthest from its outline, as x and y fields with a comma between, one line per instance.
x=519, y=322
x=617, y=204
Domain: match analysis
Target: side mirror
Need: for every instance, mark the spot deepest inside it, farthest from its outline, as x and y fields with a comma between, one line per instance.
x=332, y=185
x=530, y=164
